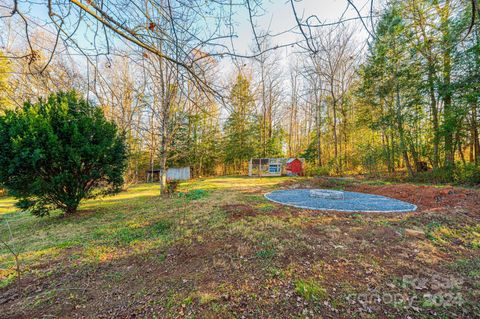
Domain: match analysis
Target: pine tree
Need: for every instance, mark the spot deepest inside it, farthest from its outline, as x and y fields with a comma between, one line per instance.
x=241, y=129
x=56, y=152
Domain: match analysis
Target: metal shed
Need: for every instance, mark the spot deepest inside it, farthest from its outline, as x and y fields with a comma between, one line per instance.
x=173, y=173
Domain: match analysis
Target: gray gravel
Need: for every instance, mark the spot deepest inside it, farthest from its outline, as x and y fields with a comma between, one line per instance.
x=352, y=202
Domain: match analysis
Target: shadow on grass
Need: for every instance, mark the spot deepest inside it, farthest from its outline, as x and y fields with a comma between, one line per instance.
x=40, y=239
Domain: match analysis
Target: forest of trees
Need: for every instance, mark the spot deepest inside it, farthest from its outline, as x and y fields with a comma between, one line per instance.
x=402, y=102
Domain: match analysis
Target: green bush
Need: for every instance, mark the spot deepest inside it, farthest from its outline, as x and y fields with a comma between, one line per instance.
x=435, y=176
x=56, y=152
x=468, y=174
x=317, y=171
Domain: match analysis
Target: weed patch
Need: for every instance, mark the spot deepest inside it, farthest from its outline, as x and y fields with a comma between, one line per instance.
x=468, y=267
x=265, y=253
x=468, y=236
x=310, y=290
x=194, y=194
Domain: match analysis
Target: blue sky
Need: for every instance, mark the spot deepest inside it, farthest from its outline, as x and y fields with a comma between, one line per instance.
x=278, y=17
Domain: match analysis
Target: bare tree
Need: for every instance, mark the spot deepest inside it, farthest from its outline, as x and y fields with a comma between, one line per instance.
x=334, y=63
x=269, y=92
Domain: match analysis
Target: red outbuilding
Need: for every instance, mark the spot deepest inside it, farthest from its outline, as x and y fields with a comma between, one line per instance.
x=294, y=167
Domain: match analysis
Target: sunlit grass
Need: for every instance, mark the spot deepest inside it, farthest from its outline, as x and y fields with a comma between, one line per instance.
x=7, y=205
x=133, y=221
x=100, y=226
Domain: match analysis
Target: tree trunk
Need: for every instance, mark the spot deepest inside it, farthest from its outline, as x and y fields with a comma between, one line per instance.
x=404, y=150
x=164, y=142
x=335, y=138
x=401, y=132
x=386, y=145
x=475, y=141
x=449, y=116
x=449, y=129
x=434, y=110
x=318, y=133
x=163, y=167
x=71, y=209
x=460, y=148
x=263, y=134
x=413, y=151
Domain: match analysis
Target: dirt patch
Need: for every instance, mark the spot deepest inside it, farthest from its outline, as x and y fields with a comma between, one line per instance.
x=238, y=211
x=145, y=285
x=425, y=197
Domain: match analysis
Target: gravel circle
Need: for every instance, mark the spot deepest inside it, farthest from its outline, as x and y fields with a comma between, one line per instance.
x=352, y=202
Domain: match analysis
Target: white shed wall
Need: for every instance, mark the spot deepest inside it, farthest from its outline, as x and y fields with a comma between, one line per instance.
x=181, y=173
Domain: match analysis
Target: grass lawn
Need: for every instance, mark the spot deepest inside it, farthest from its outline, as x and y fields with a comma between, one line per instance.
x=221, y=250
